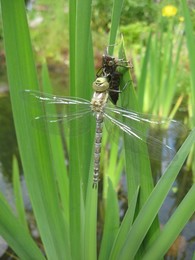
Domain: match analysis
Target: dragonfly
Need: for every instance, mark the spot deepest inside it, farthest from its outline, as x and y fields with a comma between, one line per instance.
x=131, y=124
x=109, y=70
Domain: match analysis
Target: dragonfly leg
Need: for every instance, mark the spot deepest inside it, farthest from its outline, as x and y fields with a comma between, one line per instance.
x=123, y=88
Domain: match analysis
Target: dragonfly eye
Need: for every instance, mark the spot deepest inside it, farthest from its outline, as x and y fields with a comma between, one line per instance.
x=111, y=63
x=100, y=84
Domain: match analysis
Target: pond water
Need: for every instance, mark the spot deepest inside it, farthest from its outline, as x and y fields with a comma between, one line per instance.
x=8, y=149
x=185, y=244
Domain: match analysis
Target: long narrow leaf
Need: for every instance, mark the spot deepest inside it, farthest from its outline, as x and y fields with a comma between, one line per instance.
x=190, y=44
x=16, y=235
x=18, y=195
x=57, y=151
x=111, y=223
x=124, y=228
x=81, y=146
x=115, y=19
x=90, y=233
x=143, y=75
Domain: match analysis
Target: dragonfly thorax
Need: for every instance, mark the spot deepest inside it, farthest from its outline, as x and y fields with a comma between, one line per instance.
x=100, y=96
x=99, y=100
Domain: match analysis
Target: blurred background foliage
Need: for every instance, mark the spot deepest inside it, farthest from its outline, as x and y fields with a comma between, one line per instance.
x=137, y=20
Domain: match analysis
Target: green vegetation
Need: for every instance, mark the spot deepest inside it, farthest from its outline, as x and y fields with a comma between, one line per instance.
x=63, y=201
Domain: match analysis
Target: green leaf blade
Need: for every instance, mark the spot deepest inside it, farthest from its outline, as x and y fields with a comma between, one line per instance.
x=16, y=235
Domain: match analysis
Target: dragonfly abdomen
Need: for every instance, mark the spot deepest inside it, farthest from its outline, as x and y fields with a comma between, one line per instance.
x=97, y=150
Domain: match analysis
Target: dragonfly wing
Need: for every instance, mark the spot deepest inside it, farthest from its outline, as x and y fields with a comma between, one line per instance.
x=48, y=99
x=60, y=111
x=144, y=129
x=150, y=121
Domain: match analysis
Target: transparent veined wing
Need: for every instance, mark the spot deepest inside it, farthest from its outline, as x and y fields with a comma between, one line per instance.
x=158, y=134
x=59, y=110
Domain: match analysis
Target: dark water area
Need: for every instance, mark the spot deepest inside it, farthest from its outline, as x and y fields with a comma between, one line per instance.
x=184, y=246
x=8, y=147
x=8, y=141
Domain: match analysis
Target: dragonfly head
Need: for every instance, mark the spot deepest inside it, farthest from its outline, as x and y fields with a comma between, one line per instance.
x=100, y=84
x=108, y=61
